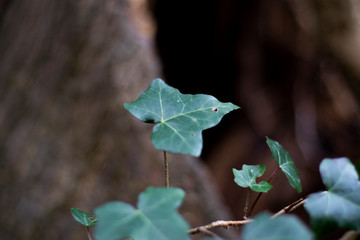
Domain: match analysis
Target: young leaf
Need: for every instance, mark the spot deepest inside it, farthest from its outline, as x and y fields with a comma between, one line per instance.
x=283, y=159
x=83, y=217
x=340, y=204
x=280, y=228
x=155, y=218
x=246, y=178
x=181, y=117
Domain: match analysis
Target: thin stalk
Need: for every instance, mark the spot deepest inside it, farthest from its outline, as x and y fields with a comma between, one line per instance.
x=247, y=203
x=217, y=224
x=204, y=231
x=227, y=224
x=290, y=207
x=88, y=233
x=166, y=165
x=350, y=235
x=259, y=195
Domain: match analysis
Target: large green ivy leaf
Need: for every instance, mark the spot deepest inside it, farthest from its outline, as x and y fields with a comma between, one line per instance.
x=83, y=217
x=283, y=159
x=246, y=178
x=340, y=204
x=283, y=227
x=181, y=117
x=155, y=218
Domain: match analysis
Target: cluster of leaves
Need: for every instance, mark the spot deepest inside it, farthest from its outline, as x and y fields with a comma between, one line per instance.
x=246, y=177
x=180, y=119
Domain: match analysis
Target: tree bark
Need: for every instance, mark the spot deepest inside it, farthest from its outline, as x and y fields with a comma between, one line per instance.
x=66, y=68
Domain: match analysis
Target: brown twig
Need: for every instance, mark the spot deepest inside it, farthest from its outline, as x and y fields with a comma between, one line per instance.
x=247, y=203
x=166, y=165
x=219, y=223
x=290, y=207
x=350, y=235
x=205, y=231
x=225, y=224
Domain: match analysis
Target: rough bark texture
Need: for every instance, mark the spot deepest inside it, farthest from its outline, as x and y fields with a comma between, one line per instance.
x=66, y=68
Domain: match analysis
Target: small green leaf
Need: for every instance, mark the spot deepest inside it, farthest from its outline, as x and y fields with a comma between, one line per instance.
x=155, y=218
x=180, y=117
x=83, y=217
x=283, y=227
x=283, y=159
x=246, y=178
x=340, y=204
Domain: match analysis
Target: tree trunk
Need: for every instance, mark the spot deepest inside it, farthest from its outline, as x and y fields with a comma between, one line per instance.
x=66, y=68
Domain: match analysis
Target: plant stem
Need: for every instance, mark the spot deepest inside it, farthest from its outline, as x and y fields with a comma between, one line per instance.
x=219, y=223
x=205, y=231
x=274, y=173
x=350, y=235
x=259, y=195
x=225, y=224
x=247, y=203
x=166, y=165
x=88, y=233
x=290, y=207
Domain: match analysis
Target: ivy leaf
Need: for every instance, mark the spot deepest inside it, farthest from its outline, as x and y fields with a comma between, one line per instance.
x=83, y=217
x=283, y=159
x=283, y=227
x=340, y=204
x=155, y=218
x=180, y=117
x=246, y=178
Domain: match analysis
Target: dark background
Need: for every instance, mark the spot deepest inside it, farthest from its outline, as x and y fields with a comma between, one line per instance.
x=273, y=60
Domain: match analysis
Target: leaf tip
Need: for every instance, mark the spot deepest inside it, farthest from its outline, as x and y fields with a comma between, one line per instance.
x=233, y=106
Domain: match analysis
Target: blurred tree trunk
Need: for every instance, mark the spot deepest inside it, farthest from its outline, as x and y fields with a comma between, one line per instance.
x=66, y=68
x=336, y=26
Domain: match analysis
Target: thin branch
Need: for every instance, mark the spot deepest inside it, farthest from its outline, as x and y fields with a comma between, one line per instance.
x=247, y=203
x=225, y=224
x=166, y=165
x=206, y=231
x=219, y=223
x=259, y=195
x=254, y=203
x=88, y=233
x=350, y=235
x=290, y=207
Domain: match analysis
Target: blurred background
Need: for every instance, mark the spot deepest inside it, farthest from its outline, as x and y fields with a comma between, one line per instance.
x=67, y=67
